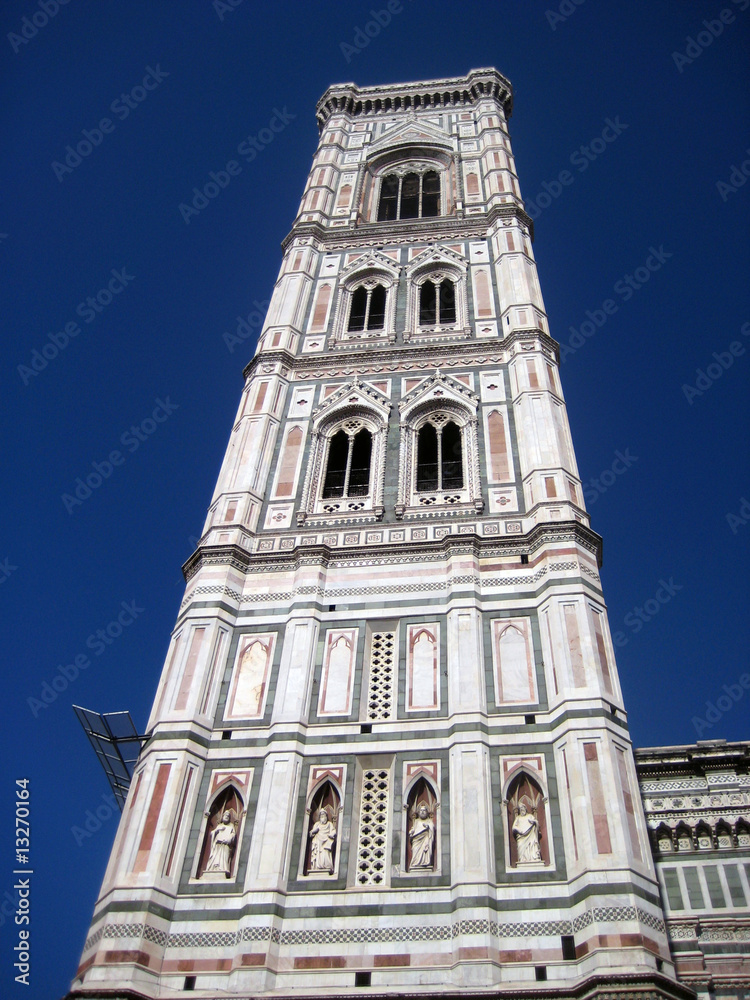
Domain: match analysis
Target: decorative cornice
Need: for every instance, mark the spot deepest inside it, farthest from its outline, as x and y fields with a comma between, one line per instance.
x=424, y=95
x=376, y=360
x=453, y=544
x=443, y=228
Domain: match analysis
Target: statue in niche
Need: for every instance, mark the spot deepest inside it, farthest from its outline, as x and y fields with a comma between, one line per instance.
x=218, y=853
x=421, y=840
x=527, y=823
x=322, y=839
x=421, y=812
x=526, y=833
x=223, y=837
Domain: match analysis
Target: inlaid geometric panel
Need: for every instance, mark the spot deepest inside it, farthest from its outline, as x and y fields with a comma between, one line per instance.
x=381, y=687
x=513, y=657
x=372, y=848
x=249, y=686
x=337, y=680
x=422, y=671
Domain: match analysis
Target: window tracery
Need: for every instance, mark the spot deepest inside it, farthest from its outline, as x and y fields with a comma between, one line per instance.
x=346, y=468
x=366, y=304
x=409, y=193
x=439, y=463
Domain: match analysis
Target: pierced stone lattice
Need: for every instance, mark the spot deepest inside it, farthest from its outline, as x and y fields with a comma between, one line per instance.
x=372, y=850
x=382, y=669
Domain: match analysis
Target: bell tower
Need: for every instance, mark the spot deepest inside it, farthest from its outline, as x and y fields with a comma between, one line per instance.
x=388, y=753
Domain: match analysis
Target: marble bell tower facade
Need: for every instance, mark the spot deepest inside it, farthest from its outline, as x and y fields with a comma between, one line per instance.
x=388, y=752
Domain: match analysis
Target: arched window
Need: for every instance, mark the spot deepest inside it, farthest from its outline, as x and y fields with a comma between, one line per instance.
x=439, y=457
x=437, y=303
x=348, y=467
x=367, y=310
x=409, y=196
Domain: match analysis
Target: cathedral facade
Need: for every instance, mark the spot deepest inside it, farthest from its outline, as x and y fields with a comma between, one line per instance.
x=389, y=753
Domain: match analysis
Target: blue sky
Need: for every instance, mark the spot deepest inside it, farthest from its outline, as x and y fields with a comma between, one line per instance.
x=644, y=239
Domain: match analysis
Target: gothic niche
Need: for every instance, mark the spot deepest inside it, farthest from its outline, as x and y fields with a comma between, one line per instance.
x=322, y=833
x=527, y=823
x=421, y=812
x=220, y=842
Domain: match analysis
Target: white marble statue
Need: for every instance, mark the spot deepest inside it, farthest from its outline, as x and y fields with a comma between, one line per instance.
x=526, y=832
x=223, y=837
x=322, y=836
x=422, y=838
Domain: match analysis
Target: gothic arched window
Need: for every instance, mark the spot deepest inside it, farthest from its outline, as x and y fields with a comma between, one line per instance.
x=439, y=457
x=348, y=466
x=437, y=303
x=409, y=196
x=367, y=309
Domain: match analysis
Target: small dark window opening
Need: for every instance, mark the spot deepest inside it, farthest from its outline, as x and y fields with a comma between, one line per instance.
x=367, y=310
x=430, y=195
x=358, y=309
x=540, y=972
x=376, y=317
x=362, y=978
x=437, y=303
x=338, y=454
x=452, y=465
x=189, y=983
x=428, y=303
x=331, y=607
x=348, y=469
x=529, y=719
x=388, y=208
x=427, y=458
x=410, y=197
x=439, y=458
x=366, y=727
x=413, y=196
x=524, y=559
x=568, y=943
x=226, y=734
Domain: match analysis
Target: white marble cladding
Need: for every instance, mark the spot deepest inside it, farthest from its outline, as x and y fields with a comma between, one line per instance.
x=318, y=660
